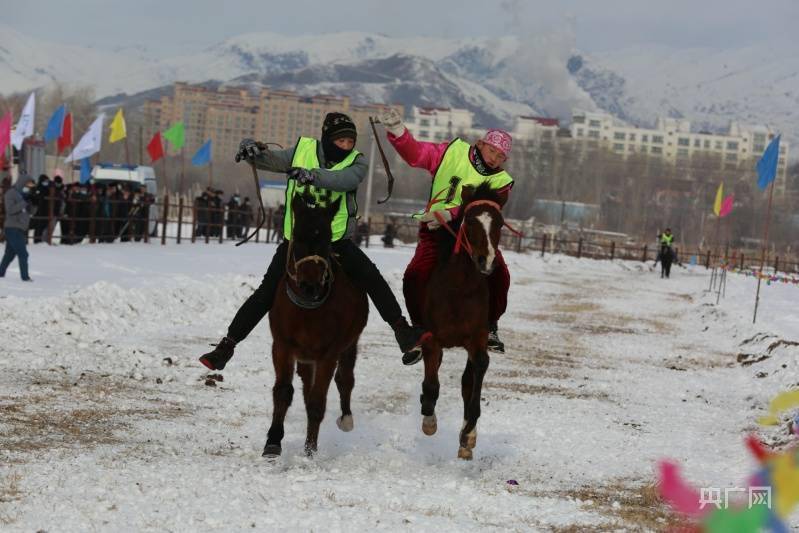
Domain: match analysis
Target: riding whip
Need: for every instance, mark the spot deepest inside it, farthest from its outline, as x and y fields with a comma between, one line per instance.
x=389, y=176
x=262, y=211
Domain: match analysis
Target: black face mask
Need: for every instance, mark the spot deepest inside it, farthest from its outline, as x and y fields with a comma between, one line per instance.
x=333, y=154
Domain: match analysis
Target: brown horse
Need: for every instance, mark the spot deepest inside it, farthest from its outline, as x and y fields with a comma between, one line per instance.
x=456, y=307
x=316, y=320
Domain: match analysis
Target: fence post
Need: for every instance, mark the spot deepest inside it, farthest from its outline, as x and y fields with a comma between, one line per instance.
x=193, y=223
x=180, y=218
x=612, y=250
x=580, y=248
x=544, y=244
x=368, y=231
x=93, y=222
x=707, y=260
x=50, y=224
x=222, y=224
x=519, y=243
x=163, y=221
x=742, y=261
x=643, y=257
x=776, y=264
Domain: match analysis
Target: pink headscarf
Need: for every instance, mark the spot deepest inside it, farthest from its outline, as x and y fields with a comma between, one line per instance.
x=499, y=139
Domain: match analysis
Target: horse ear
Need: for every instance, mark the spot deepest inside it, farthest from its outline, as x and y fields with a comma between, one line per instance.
x=333, y=207
x=297, y=204
x=466, y=194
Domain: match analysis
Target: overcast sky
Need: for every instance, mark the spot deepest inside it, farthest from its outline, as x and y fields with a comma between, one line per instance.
x=599, y=24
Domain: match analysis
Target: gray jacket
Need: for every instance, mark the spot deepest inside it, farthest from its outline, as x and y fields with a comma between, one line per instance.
x=18, y=209
x=344, y=180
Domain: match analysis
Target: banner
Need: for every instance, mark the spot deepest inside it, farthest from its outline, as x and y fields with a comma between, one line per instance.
x=91, y=141
x=25, y=123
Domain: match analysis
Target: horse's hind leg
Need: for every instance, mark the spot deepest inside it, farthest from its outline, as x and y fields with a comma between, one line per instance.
x=468, y=437
x=430, y=388
x=467, y=389
x=282, y=395
x=345, y=381
x=316, y=402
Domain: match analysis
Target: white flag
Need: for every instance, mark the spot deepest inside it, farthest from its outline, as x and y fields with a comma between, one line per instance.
x=24, y=127
x=90, y=142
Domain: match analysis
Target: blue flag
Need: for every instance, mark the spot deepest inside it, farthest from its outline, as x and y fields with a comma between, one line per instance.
x=767, y=166
x=203, y=155
x=85, y=170
x=56, y=125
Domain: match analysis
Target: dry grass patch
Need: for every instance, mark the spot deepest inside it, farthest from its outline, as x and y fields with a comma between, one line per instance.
x=551, y=390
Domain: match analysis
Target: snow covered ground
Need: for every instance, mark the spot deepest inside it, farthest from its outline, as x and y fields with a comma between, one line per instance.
x=106, y=422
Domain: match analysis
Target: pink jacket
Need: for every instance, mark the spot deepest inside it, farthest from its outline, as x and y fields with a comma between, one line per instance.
x=426, y=155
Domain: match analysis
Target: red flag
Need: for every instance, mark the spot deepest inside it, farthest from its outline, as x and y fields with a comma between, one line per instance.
x=5, y=132
x=726, y=206
x=156, y=148
x=66, y=134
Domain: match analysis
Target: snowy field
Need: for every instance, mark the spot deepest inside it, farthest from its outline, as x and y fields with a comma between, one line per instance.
x=107, y=423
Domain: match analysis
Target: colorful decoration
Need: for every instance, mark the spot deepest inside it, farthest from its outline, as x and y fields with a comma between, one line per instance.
x=719, y=199
x=769, y=497
x=765, y=276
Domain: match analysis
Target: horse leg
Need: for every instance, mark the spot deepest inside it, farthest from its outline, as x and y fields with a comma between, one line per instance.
x=282, y=394
x=316, y=402
x=345, y=381
x=468, y=437
x=306, y=372
x=432, y=354
x=467, y=388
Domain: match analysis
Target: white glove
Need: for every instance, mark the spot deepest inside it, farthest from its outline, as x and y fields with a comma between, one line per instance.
x=432, y=221
x=392, y=121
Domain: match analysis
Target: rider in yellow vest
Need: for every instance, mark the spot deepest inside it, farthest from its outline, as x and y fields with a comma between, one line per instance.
x=452, y=166
x=666, y=238
x=328, y=169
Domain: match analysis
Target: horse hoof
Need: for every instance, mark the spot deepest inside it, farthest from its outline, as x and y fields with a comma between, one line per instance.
x=465, y=454
x=271, y=451
x=345, y=423
x=429, y=425
x=310, y=450
x=471, y=440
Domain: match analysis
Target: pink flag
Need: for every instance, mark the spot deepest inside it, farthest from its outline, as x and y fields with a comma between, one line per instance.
x=726, y=206
x=676, y=492
x=5, y=132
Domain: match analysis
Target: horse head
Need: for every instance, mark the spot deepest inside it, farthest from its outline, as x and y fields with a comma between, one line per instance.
x=481, y=222
x=309, y=261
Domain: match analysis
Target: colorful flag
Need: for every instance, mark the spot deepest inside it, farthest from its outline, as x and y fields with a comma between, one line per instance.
x=5, y=132
x=25, y=123
x=155, y=147
x=176, y=135
x=65, y=139
x=91, y=141
x=767, y=166
x=719, y=198
x=85, y=170
x=56, y=124
x=203, y=155
x=118, y=130
x=726, y=206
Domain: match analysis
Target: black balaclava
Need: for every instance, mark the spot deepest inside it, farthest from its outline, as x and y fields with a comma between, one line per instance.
x=336, y=126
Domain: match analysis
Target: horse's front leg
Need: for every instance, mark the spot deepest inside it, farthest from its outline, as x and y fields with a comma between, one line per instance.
x=478, y=359
x=345, y=381
x=316, y=401
x=432, y=354
x=282, y=395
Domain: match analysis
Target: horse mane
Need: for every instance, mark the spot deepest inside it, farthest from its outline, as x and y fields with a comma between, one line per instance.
x=485, y=192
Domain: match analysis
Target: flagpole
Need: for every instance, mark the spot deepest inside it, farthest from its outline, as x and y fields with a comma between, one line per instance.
x=182, y=167
x=765, y=246
x=210, y=173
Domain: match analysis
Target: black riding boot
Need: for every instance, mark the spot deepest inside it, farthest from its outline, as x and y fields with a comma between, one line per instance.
x=494, y=344
x=410, y=340
x=217, y=358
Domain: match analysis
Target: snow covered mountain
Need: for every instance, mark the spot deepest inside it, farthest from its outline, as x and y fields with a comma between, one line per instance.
x=497, y=78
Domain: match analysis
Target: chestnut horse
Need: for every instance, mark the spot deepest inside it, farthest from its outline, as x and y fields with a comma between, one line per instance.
x=316, y=320
x=456, y=307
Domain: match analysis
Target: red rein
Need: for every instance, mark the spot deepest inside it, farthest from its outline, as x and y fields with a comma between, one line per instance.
x=460, y=238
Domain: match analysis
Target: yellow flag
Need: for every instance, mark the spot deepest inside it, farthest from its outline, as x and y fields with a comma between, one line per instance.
x=716, y=204
x=118, y=131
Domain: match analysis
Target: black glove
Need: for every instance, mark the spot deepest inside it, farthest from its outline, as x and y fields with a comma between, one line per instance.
x=249, y=149
x=302, y=175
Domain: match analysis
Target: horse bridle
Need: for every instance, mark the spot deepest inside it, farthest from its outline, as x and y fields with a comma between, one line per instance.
x=461, y=240
x=327, y=277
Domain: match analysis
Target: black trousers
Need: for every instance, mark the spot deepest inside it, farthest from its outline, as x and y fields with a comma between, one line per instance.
x=358, y=267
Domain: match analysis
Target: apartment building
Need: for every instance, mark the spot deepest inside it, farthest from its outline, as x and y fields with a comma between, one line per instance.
x=673, y=140
x=227, y=115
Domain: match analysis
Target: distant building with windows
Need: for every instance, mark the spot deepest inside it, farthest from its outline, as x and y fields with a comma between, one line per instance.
x=228, y=114
x=673, y=140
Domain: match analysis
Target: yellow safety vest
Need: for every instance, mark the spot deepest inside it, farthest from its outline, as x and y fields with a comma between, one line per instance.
x=305, y=157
